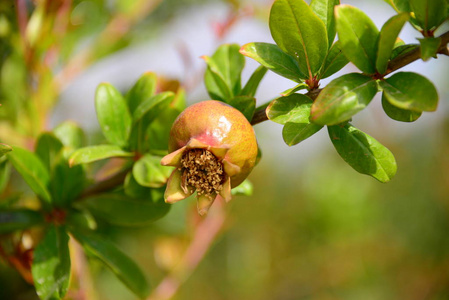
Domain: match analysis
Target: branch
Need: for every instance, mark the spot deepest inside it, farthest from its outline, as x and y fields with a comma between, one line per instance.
x=395, y=64
x=105, y=185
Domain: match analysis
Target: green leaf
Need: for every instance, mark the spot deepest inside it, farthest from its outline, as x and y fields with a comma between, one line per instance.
x=245, y=104
x=298, y=87
x=93, y=153
x=244, y=189
x=70, y=134
x=81, y=219
x=157, y=134
x=342, y=98
x=251, y=86
x=324, y=9
x=429, y=47
x=399, y=5
x=144, y=88
x=402, y=50
x=399, y=114
x=126, y=211
x=48, y=147
x=4, y=149
x=66, y=183
x=145, y=114
x=122, y=266
x=148, y=171
x=293, y=112
x=151, y=107
x=429, y=14
x=294, y=133
x=387, y=39
x=19, y=219
x=335, y=61
x=358, y=37
x=5, y=172
x=410, y=91
x=299, y=32
x=113, y=114
x=223, y=74
x=363, y=153
x=32, y=170
x=293, y=108
x=274, y=59
x=51, y=264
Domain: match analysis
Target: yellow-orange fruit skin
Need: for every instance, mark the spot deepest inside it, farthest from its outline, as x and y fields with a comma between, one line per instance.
x=218, y=125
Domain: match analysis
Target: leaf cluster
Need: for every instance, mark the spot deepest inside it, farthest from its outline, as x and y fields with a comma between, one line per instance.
x=71, y=205
x=305, y=52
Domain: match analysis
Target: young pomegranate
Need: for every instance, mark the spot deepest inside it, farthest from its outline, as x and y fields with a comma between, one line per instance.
x=213, y=147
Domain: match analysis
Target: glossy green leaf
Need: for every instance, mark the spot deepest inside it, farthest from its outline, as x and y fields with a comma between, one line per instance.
x=429, y=14
x=251, y=86
x=216, y=85
x=70, y=134
x=387, y=39
x=126, y=211
x=144, y=88
x=358, y=37
x=223, y=74
x=32, y=170
x=410, y=91
x=335, y=61
x=48, y=147
x=151, y=107
x=51, y=264
x=113, y=114
x=342, y=98
x=298, y=31
x=363, y=153
x=429, y=47
x=296, y=88
x=294, y=133
x=93, y=153
x=324, y=9
x=19, y=219
x=293, y=108
x=399, y=5
x=66, y=183
x=274, y=59
x=402, y=50
x=144, y=115
x=122, y=266
x=158, y=132
x=148, y=171
x=4, y=149
x=245, y=104
x=244, y=189
x=399, y=42
x=399, y=114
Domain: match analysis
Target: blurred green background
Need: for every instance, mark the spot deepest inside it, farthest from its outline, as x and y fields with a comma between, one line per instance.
x=314, y=228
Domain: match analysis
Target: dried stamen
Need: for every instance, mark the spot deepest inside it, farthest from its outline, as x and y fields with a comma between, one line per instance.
x=202, y=171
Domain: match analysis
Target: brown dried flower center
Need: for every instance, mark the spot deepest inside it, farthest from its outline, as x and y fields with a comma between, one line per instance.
x=203, y=171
